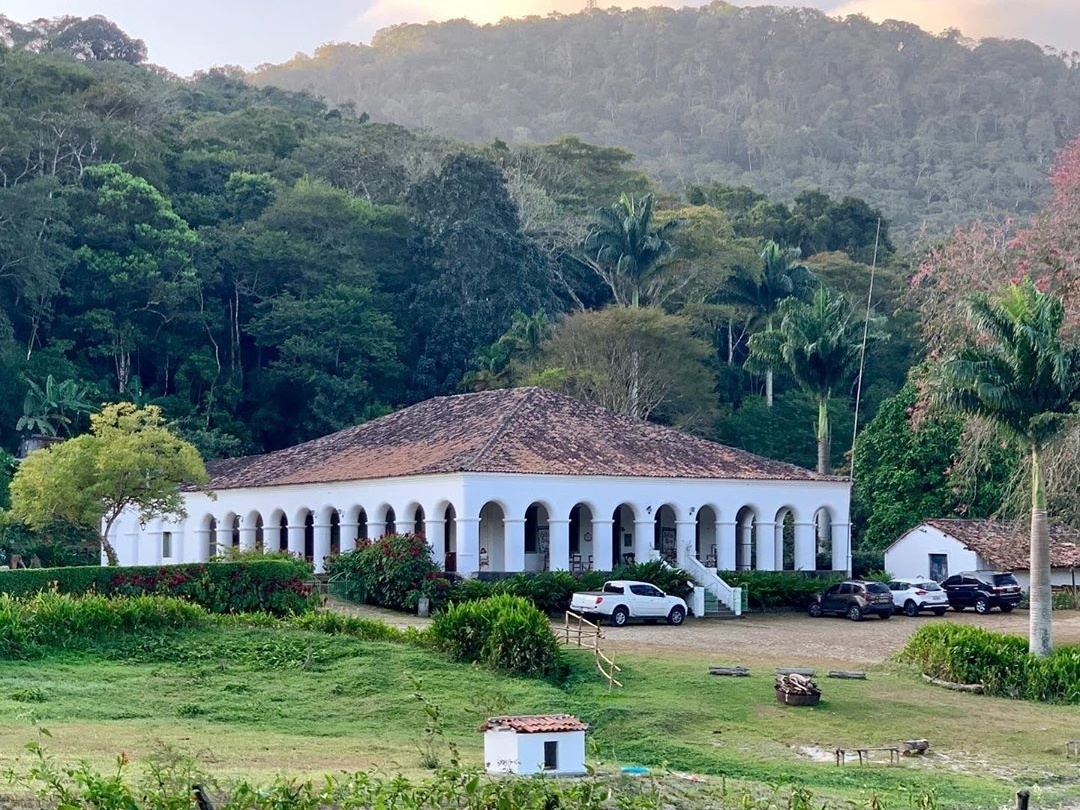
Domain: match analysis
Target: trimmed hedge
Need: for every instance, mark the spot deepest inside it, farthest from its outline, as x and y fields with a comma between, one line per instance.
x=277, y=586
x=1000, y=662
x=779, y=590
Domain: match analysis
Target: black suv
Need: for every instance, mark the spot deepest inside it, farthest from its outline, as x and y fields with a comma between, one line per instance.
x=854, y=599
x=983, y=590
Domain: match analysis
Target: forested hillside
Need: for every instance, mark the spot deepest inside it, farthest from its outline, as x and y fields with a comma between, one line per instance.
x=935, y=130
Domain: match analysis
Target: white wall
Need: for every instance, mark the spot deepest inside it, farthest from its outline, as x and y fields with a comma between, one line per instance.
x=468, y=493
x=910, y=555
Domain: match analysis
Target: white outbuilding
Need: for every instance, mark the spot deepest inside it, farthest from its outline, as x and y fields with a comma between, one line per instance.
x=512, y=480
x=939, y=548
x=530, y=744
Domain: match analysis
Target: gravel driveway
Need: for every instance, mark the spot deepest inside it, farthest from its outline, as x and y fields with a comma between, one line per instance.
x=792, y=638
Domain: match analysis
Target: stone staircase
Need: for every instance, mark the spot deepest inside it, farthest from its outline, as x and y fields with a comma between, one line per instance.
x=714, y=609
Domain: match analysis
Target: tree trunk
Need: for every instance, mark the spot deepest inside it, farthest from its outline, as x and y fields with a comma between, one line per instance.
x=824, y=465
x=1040, y=613
x=110, y=552
x=768, y=374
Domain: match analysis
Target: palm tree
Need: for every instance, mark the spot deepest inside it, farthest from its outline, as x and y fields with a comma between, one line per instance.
x=782, y=276
x=819, y=342
x=627, y=251
x=1016, y=373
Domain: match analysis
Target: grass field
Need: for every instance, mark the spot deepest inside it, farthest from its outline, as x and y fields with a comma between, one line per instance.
x=252, y=703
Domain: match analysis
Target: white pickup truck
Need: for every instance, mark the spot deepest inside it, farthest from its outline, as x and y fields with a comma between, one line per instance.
x=622, y=599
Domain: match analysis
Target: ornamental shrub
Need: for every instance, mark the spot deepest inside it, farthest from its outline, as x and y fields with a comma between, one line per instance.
x=1000, y=662
x=52, y=620
x=393, y=571
x=778, y=590
x=276, y=586
x=504, y=632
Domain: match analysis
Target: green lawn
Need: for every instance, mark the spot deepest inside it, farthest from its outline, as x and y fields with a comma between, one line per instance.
x=256, y=702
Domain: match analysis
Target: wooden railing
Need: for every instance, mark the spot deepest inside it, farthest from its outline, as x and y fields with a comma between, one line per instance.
x=577, y=631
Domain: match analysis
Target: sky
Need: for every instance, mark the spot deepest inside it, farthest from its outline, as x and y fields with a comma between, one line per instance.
x=197, y=34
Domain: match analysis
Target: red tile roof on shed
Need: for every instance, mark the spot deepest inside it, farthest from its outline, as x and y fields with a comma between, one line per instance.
x=535, y=723
x=518, y=430
x=1007, y=544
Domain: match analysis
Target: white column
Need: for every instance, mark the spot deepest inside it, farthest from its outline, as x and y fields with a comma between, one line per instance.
x=150, y=541
x=514, y=544
x=321, y=546
x=468, y=545
x=559, y=545
x=841, y=547
x=685, y=534
x=223, y=539
x=248, y=530
x=805, y=547
x=778, y=545
x=746, y=544
x=644, y=537
x=197, y=545
x=601, y=539
x=766, y=546
x=375, y=530
x=726, y=539
x=347, y=530
x=296, y=538
x=433, y=533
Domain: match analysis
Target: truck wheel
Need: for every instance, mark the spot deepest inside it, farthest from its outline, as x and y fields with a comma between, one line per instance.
x=676, y=616
x=982, y=605
x=620, y=616
x=910, y=608
x=815, y=609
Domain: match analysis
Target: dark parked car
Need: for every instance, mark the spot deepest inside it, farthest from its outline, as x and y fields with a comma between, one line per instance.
x=983, y=590
x=854, y=599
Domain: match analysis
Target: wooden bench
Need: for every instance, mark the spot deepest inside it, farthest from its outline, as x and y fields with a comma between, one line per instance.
x=864, y=754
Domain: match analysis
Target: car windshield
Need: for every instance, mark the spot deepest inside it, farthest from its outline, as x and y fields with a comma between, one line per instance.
x=877, y=587
x=1005, y=579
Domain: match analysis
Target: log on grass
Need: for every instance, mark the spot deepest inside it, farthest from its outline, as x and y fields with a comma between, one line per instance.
x=735, y=672
x=977, y=688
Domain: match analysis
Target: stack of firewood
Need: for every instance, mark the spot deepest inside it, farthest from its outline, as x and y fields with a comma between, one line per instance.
x=796, y=684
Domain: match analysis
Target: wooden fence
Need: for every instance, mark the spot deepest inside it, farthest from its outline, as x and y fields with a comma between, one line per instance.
x=577, y=631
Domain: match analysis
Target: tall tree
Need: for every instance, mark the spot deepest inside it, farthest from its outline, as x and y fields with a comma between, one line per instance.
x=818, y=343
x=1017, y=372
x=129, y=460
x=781, y=276
x=627, y=251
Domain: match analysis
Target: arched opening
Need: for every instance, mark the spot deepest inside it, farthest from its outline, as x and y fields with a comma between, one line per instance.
x=260, y=534
x=784, y=539
x=361, y=525
x=283, y=533
x=745, y=539
x=705, y=536
x=450, y=538
x=418, y=522
x=664, y=534
x=335, y=533
x=581, y=539
x=823, y=532
x=309, y=537
x=492, y=538
x=537, y=537
x=622, y=535
x=390, y=522
x=234, y=541
x=209, y=528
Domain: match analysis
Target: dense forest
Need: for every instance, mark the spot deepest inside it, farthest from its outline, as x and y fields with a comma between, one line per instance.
x=934, y=130
x=268, y=267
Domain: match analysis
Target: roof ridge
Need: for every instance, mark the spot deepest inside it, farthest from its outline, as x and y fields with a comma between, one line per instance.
x=505, y=425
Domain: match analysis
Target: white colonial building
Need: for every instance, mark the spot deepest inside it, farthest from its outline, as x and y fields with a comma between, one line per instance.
x=513, y=480
x=532, y=744
x=939, y=548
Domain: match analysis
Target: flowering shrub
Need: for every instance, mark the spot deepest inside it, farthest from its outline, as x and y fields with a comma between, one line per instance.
x=276, y=586
x=393, y=571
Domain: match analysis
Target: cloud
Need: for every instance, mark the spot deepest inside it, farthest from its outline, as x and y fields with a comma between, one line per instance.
x=389, y=12
x=1044, y=22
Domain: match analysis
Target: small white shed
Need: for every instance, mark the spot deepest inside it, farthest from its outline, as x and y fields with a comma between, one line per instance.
x=530, y=744
x=939, y=548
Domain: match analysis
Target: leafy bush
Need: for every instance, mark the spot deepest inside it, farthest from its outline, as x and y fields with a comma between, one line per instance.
x=367, y=629
x=393, y=571
x=1000, y=662
x=51, y=620
x=778, y=590
x=276, y=586
x=507, y=633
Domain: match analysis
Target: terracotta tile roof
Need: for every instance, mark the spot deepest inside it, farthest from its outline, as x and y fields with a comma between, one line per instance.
x=519, y=430
x=535, y=723
x=1006, y=544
